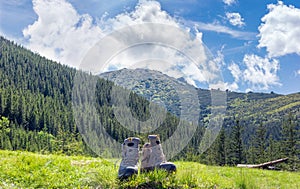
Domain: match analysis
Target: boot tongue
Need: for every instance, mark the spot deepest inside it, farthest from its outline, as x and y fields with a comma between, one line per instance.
x=154, y=140
x=153, y=143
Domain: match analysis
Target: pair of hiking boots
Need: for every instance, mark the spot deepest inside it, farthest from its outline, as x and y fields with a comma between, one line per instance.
x=152, y=157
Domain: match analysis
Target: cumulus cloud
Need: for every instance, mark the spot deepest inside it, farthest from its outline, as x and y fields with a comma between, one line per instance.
x=229, y=2
x=220, y=57
x=298, y=72
x=235, y=71
x=280, y=30
x=235, y=19
x=221, y=84
x=61, y=34
x=260, y=73
x=146, y=11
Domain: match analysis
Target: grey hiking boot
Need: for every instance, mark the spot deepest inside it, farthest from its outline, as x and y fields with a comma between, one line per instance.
x=146, y=154
x=130, y=158
x=153, y=156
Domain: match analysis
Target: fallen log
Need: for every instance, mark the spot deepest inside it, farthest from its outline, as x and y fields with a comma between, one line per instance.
x=263, y=165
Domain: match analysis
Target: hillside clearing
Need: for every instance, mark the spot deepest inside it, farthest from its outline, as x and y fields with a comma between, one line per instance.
x=30, y=170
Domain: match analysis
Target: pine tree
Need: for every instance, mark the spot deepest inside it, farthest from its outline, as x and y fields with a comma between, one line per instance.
x=221, y=148
x=273, y=149
x=4, y=134
x=251, y=153
x=260, y=143
x=290, y=136
x=236, y=152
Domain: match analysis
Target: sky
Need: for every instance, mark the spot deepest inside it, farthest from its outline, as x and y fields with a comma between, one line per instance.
x=255, y=44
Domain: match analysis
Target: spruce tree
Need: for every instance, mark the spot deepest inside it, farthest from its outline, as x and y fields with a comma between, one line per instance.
x=221, y=148
x=290, y=136
x=236, y=145
x=260, y=143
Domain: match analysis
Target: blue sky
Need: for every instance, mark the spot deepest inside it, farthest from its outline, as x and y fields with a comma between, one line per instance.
x=256, y=43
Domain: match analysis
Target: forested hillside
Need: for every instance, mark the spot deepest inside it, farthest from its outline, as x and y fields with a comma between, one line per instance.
x=35, y=102
x=36, y=105
x=36, y=114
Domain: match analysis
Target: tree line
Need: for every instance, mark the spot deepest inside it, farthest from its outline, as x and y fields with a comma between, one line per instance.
x=230, y=148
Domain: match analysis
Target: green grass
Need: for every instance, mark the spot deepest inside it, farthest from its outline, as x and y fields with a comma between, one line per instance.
x=29, y=170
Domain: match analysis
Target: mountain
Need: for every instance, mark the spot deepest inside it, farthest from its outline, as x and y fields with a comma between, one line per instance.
x=251, y=108
x=153, y=85
x=262, y=118
x=37, y=98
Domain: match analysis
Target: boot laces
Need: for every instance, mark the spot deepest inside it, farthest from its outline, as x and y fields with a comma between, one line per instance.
x=130, y=156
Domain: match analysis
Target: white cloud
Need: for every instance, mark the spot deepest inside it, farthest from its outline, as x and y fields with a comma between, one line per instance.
x=260, y=73
x=280, y=30
x=248, y=90
x=298, y=72
x=235, y=71
x=229, y=2
x=235, y=19
x=224, y=86
x=135, y=57
x=221, y=84
x=219, y=59
x=146, y=11
x=223, y=29
x=61, y=34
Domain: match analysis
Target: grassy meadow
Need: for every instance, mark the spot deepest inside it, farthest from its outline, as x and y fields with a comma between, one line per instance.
x=30, y=170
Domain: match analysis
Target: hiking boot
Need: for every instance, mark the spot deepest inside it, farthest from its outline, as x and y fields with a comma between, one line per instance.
x=146, y=154
x=153, y=156
x=130, y=158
